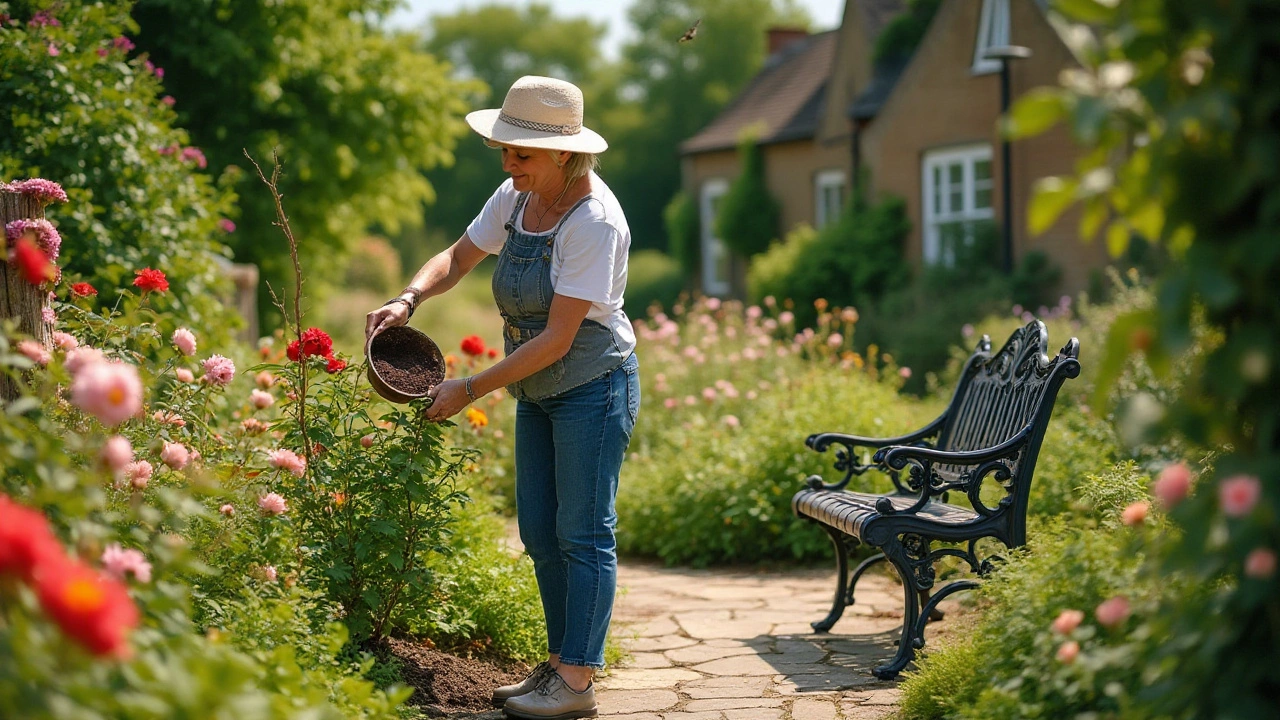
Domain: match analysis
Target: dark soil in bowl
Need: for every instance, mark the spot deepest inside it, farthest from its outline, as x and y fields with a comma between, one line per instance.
x=403, y=363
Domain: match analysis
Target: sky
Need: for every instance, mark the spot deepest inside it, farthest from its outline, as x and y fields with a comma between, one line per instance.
x=825, y=13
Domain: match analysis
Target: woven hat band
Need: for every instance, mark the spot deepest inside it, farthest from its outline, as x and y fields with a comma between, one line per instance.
x=540, y=127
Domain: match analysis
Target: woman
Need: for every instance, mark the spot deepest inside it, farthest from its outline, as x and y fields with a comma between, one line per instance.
x=561, y=241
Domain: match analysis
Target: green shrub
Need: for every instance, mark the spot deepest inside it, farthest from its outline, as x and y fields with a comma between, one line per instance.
x=684, y=232
x=374, y=265
x=1006, y=666
x=96, y=125
x=1035, y=281
x=749, y=215
x=653, y=277
x=852, y=261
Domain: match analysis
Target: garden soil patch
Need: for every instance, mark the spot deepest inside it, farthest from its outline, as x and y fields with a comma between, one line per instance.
x=446, y=684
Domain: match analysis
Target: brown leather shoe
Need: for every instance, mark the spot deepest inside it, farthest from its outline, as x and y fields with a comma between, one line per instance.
x=531, y=681
x=553, y=699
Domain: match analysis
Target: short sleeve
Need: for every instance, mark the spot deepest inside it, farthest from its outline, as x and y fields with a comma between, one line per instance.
x=488, y=230
x=588, y=254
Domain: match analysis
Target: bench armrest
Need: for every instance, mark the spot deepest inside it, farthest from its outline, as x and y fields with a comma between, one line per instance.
x=977, y=464
x=847, y=459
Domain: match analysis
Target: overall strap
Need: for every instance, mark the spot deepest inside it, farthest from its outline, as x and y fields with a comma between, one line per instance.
x=521, y=199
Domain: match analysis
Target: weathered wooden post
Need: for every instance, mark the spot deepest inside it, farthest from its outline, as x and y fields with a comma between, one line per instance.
x=22, y=216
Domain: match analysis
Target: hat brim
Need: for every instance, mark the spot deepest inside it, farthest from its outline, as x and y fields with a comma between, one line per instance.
x=487, y=124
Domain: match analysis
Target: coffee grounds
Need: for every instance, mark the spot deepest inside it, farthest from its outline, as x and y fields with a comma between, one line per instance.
x=445, y=684
x=405, y=362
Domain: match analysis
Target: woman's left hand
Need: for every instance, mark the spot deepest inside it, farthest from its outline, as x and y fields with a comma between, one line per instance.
x=448, y=398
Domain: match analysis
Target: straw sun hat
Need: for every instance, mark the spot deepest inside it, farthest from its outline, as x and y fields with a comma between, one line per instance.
x=539, y=112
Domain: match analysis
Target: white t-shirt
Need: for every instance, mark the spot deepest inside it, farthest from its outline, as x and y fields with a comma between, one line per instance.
x=589, y=259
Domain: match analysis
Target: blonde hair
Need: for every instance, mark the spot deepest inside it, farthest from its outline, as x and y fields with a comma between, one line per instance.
x=576, y=166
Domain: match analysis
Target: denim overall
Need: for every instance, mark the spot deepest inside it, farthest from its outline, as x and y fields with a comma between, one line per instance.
x=523, y=291
x=573, y=423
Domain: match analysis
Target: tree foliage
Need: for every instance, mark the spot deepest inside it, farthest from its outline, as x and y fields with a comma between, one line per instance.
x=495, y=45
x=79, y=111
x=671, y=90
x=355, y=114
x=684, y=232
x=749, y=215
x=1185, y=94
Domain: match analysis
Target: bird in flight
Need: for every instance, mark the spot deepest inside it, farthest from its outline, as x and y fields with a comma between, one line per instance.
x=692, y=32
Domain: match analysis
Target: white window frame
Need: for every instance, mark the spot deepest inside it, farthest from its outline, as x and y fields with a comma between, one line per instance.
x=993, y=31
x=968, y=156
x=824, y=181
x=714, y=251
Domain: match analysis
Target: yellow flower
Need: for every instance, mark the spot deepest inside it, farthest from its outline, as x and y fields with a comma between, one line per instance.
x=477, y=418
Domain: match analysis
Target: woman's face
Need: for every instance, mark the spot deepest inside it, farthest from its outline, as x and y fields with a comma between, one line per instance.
x=533, y=169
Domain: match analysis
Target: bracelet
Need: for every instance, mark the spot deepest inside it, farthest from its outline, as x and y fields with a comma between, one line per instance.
x=470, y=393
x=399, y=299
x=415, y=292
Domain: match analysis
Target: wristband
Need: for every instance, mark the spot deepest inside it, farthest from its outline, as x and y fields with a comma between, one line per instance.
x=415, y=292
x=470, y=393
x=398, y=299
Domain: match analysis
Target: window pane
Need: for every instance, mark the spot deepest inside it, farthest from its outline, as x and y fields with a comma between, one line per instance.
x=982, y=199
x=981, y=170
x=937, y=190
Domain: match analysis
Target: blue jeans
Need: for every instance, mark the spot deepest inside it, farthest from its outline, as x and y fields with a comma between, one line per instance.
x=569, y=449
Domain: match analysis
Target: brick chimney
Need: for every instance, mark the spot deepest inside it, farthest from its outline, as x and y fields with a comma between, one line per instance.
x=780, y=37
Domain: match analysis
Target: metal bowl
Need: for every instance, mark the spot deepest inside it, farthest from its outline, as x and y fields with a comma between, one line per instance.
x=418, y=341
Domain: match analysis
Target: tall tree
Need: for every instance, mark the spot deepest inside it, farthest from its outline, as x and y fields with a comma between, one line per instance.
x=496, y=44
x=672, y=89
x=356, y=115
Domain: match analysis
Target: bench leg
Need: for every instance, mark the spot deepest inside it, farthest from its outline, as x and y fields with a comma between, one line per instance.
x=912, y=631
x=931, y=606
x=842, y=578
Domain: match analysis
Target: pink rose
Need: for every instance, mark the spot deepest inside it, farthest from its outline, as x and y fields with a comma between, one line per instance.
x=261, y=399
x=175, y=455
x=65, y=341
x=1238, y=494
x=367, y=441
x=669, y=403
x=82, y=357
x=1113, y=612
x=269, y=572
x=273, y=504
x=185, y=341
x=264, y=379
x=139, y=473
x=117, y=562
x=219, y=370
x=184, y=375
x=228, y=509
x=35, y=352
x=288, y=460
x=117, y=453
x=1068, y=651
x=731, y=420
x=1260, y=563
x=1135, y=514
x=110, y=391
x=1173, y=485
x=1067, y=621
x=904, y=372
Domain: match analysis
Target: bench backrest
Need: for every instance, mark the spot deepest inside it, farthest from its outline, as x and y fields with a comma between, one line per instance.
x=1001, y=394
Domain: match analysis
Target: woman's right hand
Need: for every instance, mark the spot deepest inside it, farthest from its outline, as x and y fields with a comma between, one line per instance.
x=389, y=315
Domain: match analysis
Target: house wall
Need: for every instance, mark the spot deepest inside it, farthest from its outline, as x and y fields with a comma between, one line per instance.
x=850, y=75
x=938, y=102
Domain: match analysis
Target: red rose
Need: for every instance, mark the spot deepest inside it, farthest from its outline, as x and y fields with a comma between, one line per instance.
x=294, y=351
x=83, y=290
x=91, y=608
x=492, y=353
x=316, y=342
x=336, y=365
x=149, y=280
x=25, y=540
x=473, y=345
x=32, y=262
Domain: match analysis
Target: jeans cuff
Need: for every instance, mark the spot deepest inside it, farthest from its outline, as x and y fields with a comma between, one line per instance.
x=582, y=663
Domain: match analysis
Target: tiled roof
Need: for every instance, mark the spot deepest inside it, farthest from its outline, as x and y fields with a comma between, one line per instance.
x=784, y=99
x=884, y=76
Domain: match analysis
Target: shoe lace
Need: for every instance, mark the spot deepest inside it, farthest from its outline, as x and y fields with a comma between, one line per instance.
x=546, y=685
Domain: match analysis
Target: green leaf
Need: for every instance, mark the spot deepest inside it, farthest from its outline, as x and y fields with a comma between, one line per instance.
x=1129, y=332
x=1086, y=11
x=1036, y=112
x=1118, y=238
x=1052, y=196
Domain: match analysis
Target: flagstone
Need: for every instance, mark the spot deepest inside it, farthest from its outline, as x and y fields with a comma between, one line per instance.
x=727, y=687
x=741, y=665
x=704, y=652
x=733, y=703
x=648, y=660
x=753, y=714
x=634, y=701
x=658, y=644
x=814, y=709
x=644, y=679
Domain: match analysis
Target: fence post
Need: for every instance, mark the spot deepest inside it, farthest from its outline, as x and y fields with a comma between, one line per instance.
x=19, y=299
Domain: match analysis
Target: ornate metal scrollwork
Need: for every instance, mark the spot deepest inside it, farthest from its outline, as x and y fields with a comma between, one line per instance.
x=919, y=560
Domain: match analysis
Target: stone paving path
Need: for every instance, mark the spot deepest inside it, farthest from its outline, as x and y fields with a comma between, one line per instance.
x=736, y=645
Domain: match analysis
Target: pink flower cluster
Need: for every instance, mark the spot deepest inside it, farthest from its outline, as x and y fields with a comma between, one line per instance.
x=117, y=453
x=44, y=191
x=35, y=352
x=185, y=341
x=46, y=235
x=111, y=391
x=175, y=455
x=261, y=399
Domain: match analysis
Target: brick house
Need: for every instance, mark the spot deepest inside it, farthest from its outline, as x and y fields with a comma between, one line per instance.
x=922, y=127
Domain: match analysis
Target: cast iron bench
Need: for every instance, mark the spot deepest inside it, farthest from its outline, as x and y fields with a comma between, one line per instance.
x=990, y=432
